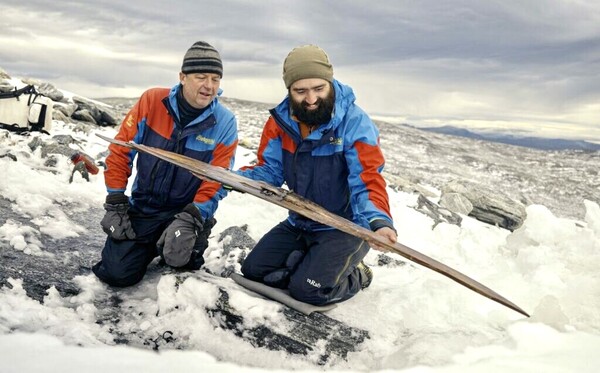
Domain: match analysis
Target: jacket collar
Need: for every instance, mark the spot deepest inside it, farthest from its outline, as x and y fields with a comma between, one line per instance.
x=174, y=110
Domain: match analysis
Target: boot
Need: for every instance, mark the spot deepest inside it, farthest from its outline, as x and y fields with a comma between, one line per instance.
x=366, y=275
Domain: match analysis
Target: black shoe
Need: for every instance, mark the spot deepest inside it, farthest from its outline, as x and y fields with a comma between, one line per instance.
x=366, y=275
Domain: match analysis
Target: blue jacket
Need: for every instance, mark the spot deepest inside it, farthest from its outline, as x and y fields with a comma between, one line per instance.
x=159, y=185
x=337, y=166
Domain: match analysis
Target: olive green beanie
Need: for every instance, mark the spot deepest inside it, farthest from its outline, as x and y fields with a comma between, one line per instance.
x=307, y=61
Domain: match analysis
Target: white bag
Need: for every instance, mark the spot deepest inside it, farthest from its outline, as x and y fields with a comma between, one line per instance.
x=25, y=110
x=40, y=113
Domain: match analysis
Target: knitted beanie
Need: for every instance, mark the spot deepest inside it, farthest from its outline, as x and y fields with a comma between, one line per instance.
x=202, y=58
x=307, y=61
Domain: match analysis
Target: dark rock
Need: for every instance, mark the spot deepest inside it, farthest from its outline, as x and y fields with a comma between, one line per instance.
x=35, y=143
x=9, y=155
x=66, y=109
x=306, y=333
x=58, y=145
x=107, y=118
x=64, y=139
x=51, y=161
x=385, y=260
x=84, y=115
x=236, y=237
x=489, y=206
x=83, y=104
x=437, y=213
x=236, y=243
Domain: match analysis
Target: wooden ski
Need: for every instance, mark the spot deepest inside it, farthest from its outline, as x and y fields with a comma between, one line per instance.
x=291, y=201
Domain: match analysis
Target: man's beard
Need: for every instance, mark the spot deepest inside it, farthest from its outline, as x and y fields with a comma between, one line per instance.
x=318, y=116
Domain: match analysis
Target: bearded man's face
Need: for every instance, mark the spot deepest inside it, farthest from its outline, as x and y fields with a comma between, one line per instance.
x=312, y=101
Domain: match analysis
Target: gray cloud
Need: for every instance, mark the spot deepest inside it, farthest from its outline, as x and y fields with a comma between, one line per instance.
x=530, y=63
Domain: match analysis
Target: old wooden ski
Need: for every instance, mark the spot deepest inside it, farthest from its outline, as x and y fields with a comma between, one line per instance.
x=291, y=201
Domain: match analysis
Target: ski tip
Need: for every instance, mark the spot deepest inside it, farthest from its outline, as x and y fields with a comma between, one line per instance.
x=521, y=311
x=115, y=141
x=103, y=137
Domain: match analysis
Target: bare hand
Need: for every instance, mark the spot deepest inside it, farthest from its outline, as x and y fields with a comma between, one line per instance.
x=389, y=233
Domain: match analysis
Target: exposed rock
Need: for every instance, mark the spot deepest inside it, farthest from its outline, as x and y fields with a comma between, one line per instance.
x=84, y=115
x=31, y=81
x=457, y=203
x=85, y=105
x=119, y=106
x=67, y=109
x=55, y=148
x=58, y=145
x=10, y=156
x=50, y=91
x=4, y=74
x=236, y=244
x=437, y=213
x=236, y=237
x=107, y=118
x=51, y=161
x=60, y=116
x=385, y=260
x=6, y=86
x=247, y=143
x=83, y=127
x=402, y=184
x=35, y=143
x=488, y=206
x=88, y=111
x=65, y=139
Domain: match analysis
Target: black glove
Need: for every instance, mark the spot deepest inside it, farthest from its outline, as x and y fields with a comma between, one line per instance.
x=115, y=222
x=178, y=239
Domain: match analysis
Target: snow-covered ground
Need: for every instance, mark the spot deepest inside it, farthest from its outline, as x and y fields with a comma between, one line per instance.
x=418, y=320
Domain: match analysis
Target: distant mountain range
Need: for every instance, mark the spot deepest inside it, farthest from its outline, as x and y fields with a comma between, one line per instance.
x=526, y=141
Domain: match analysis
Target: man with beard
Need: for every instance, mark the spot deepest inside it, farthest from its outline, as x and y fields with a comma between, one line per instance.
x=326, y=149
x=170, y=211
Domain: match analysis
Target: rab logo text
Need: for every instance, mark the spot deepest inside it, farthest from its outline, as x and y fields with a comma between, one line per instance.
x=313, y=283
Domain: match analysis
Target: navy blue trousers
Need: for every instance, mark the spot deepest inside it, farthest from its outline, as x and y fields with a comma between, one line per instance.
x=320, y=266
x=124, y=262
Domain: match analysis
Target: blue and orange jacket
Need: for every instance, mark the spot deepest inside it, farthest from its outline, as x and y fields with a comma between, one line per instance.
x=337, y=166
x=159, y=185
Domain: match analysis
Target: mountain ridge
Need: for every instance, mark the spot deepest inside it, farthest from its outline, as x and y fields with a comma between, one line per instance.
x=533, y=142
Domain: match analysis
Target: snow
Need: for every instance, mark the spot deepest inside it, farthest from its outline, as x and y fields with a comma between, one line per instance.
x=418, y=320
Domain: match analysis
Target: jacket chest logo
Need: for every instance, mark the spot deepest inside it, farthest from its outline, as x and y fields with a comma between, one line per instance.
x=335, y=141
x=130, y=121
x=205, y=140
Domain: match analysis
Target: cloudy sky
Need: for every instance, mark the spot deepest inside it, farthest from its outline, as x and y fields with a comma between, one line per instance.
x=527, y=64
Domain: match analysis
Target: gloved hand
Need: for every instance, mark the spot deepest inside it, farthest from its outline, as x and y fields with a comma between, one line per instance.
x=177, y=241
x=115, y=222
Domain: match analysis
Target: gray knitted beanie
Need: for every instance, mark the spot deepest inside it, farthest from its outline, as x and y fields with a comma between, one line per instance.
x=202, y=58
